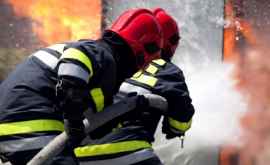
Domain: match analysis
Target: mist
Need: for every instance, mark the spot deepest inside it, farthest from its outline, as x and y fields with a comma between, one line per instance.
x=218, y=105
x=231, y=100
x=219, y=108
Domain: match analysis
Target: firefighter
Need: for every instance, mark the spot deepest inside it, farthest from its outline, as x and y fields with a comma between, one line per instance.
x=130, y=142
x=58, y=83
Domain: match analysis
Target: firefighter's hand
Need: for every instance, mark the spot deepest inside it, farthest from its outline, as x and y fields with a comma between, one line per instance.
x=172, y=133
x=72, y=98
x=75, y=132
x=169, y=131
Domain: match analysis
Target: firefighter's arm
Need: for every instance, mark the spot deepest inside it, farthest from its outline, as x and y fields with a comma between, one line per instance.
x=180, y=108
x=173, y=128
x=168, y=81
x=180, y=112
x=74, y=72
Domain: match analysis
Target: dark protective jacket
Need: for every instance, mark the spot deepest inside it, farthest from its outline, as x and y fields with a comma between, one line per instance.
x=29, y=118
x=136, y=131
x=29, y=115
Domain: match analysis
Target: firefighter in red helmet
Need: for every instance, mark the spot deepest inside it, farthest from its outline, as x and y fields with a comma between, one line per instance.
x=180, y=108
x=130, y=141
x=131, y=26
x=170, y=33
x=60, y=82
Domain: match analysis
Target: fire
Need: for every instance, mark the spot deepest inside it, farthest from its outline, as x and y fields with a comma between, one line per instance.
x=250, y=55
x=236, y=31
x=229, y=34
x=58, y=21
x=254, y=75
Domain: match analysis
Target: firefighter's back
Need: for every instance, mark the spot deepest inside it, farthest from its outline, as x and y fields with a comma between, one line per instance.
x=28, y=116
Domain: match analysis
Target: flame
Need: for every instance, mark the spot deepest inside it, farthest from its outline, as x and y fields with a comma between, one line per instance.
x=236, y=30
x=254, y=76
x=229, y=34
x=58, y=21
x=250, y=55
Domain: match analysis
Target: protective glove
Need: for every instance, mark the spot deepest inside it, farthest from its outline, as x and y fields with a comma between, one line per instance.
x=169, y=131
x=72, y=97
x=75, y=132
x=72, y=101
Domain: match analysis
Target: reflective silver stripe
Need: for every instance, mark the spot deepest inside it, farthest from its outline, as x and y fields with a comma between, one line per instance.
x=124, y=160
x=58, y=47
x=25, y=144
x=127, y=88
x=68, y=69
x=47, y=58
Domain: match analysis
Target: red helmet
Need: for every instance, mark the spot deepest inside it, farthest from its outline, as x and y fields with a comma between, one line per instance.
x=140, y=29
x=170, y=32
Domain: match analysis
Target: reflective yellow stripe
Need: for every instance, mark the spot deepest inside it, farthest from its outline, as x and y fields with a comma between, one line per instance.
x=137, y=74
x=58, y=47
x=30, y=126
x=182, y=126
x=76, y=54
x=98, y=97
x=160, y=62
x=151, y=69
x=112, y=148
x=145, y=79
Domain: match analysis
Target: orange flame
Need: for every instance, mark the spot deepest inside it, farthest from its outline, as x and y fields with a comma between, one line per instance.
x=235, y=30
x=58, y=21
x=229, y=34
x=254, y=76
x=250, y=54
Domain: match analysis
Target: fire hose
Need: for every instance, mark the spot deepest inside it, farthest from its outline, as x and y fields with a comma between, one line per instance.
x=97, y=121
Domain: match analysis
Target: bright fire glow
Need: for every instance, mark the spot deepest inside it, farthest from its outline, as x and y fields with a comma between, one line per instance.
x=236, y=29
x=250, y=54
x=58, y=21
